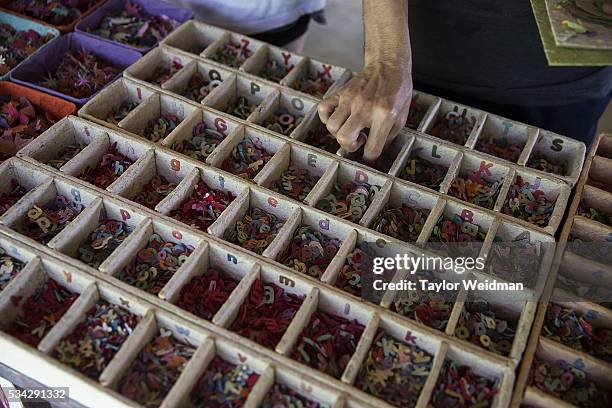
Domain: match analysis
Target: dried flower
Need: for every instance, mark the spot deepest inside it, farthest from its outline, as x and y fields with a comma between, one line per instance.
x=80, y=75
x=20, y=122
x=53, y=12
x=17, y=45
x=133, y=27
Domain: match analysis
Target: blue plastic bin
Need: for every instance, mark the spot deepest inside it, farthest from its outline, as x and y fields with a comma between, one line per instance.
x=23, y=24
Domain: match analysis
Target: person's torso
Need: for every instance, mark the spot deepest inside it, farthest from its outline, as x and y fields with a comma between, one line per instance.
x=250, y=16
x=493, y=45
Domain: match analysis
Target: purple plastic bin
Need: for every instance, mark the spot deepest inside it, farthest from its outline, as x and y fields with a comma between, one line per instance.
x=150, y=7
x=36, y=67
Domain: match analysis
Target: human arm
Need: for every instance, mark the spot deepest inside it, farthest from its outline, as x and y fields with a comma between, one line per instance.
x=379, y=96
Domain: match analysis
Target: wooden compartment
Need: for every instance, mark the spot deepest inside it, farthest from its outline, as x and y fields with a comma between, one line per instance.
x=106, y=108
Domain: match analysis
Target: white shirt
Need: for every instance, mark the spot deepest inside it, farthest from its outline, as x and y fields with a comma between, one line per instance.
x=250, y=16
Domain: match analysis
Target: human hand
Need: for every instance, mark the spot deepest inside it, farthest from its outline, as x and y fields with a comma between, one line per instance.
x=377, y=98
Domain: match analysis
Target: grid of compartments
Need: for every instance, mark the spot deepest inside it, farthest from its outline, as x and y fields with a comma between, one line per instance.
x=137, y=327
x=573, y=328
x=213, y=137
x=240, y=95
x=194, y=145
x=187, y=173
x=508, y=142
x=196, y=41
x=247, y=271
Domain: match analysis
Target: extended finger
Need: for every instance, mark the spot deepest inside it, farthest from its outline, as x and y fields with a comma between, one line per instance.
x=400, y=123
x=348, y=135
x=379, y=133
x=337, y=119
